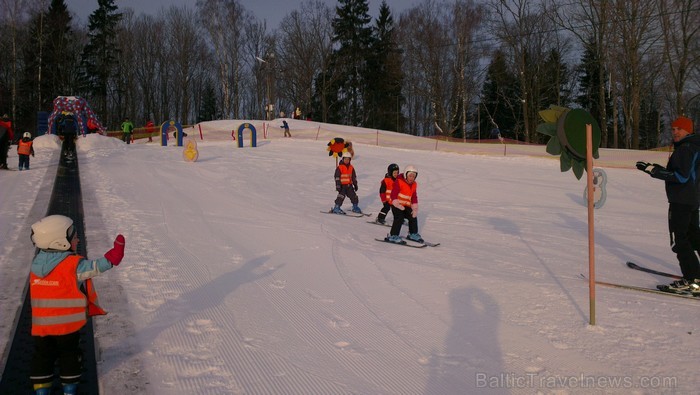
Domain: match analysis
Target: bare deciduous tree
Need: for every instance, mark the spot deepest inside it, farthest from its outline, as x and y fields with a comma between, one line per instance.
x=304, y=47
x=680, y=24
x=223, y=20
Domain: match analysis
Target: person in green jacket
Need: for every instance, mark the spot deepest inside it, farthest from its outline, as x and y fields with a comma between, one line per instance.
x=127, y=128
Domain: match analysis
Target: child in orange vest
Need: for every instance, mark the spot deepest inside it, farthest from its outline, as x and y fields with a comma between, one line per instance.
x=404, y=204
x=62, y=297
x=346, y=185
x=385, y=187
x=24, y=149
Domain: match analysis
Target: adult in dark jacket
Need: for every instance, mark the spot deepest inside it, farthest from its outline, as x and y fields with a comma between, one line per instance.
x=683, y=192
x=6, y=139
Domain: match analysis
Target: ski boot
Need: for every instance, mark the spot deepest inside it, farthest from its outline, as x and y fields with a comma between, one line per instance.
x=394, y=239
x=70, y=389
x=338, y=210
x=679, y=287
x=42, y=389
x=415, y=237
x=356, y=209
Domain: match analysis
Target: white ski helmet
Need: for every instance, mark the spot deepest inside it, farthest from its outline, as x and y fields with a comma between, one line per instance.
x=27, y=135
x=410, y=169
x=347, y=154
x=53, y=233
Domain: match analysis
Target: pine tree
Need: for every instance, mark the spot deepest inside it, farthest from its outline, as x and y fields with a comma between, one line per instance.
x=384, y=76
x=590, y=76
x=101, y=54
x=207, y=110
x=499, y=107
x=61, y=55
x=353, y=34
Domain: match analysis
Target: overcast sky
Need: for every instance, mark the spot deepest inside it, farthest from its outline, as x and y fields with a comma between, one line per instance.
x=271, y=10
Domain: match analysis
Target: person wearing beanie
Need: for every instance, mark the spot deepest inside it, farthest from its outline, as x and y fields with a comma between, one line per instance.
x=683, y=192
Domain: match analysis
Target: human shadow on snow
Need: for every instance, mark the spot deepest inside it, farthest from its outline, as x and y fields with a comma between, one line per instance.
x=471, y=357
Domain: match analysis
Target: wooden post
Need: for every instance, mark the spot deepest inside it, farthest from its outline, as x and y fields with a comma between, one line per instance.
x=591, y=233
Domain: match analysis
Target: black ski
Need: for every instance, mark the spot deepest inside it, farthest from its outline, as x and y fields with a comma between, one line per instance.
x=348, y=214
x=634, y=266
x=387, y=224
x=644, y=289
x=402, y=243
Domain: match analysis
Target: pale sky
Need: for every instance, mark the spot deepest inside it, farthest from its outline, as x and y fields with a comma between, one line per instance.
x=271, y=10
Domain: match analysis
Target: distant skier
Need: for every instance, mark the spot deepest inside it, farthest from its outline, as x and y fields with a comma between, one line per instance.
x=385, y=188
x=285, y=126
x=127, y=129
x=346, y=184
x=24, y=149
x=404, y=204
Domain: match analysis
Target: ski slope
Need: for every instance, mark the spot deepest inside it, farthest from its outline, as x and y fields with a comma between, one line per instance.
x=234, y=283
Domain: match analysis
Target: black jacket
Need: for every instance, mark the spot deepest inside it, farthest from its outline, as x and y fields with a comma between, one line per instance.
x=681, y=172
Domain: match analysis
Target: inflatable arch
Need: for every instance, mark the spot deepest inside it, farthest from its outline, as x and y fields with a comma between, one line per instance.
x=253, y=137
x=170, y=126
x=79, y=108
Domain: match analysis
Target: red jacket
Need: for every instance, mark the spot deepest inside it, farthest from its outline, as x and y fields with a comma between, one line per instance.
x=8, y=125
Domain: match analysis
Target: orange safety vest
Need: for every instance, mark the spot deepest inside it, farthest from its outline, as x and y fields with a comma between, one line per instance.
x=24, y=147
x=59, y=307
x=389, y=182
x=406, y=191
x=345, y=174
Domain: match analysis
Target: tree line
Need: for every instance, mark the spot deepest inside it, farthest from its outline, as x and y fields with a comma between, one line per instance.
x=464, y=68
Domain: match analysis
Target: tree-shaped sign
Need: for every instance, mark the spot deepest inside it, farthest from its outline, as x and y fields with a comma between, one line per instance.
x=567, y=131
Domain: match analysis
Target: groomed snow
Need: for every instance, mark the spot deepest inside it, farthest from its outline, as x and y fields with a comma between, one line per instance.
x=233, y=282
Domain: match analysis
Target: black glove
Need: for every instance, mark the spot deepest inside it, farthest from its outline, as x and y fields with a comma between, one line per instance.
x=656, y=169
x=337, y=188
x=643, y=166
x=354, y=187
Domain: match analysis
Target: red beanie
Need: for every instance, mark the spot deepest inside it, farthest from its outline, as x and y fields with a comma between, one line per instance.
x=683, y=123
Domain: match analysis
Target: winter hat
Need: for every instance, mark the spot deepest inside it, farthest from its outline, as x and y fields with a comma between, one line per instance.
x=683, y=123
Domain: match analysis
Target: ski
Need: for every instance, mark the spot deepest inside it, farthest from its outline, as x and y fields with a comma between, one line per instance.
x=429, y=244
x=387, y=224
x=348, y=214
x=634, y=266
x=644, y=289
x=402, y=243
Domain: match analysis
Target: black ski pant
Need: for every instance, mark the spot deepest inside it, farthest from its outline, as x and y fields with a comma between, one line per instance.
x=684, y=230
x=4, y=146
x=65, y=349
x=399, y=215
x=346, y=190
x=381, y=217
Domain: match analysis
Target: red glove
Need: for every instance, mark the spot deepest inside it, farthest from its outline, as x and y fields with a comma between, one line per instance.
x=115, y=255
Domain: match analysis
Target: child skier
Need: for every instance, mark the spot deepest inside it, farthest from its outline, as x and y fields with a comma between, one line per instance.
x=285, y=126
x=385, y=188
x=346, y=185
x=404, y=204
x=24, y=149
x=62, y=298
